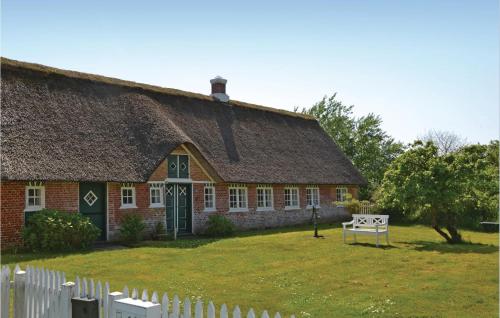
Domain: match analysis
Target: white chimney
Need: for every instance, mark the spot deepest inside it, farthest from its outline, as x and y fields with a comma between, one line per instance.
x=219, y=89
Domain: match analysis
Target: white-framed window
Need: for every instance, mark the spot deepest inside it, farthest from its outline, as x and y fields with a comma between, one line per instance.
x=238, y=198
x=292, y=198
x=312, y=196
x=209, y=196
x=35, y=196
x=127, y=196
x=341, y=194
x=264, y=198
x=156, y=195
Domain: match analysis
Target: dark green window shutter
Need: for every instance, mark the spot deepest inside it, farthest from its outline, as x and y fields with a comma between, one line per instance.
x=173, y=166
x=183, y=167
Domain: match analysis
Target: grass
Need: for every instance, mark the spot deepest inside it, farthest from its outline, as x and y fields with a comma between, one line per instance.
x=289, y=271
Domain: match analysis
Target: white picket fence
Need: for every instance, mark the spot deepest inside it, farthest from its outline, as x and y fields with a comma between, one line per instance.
x=41, y=293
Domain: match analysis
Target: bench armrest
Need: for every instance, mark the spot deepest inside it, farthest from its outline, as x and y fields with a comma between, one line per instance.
x=344, y=224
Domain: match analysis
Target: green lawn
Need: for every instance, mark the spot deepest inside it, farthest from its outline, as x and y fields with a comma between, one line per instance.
x=291, y=272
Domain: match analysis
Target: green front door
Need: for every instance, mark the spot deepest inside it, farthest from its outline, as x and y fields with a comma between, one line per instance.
x=93, y=204
x=178, y=206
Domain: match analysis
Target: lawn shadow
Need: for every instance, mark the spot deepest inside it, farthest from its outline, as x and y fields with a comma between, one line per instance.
x=372, y=245
x=443, y=247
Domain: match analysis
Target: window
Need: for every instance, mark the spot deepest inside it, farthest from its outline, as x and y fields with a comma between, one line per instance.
x=291, y=198
x=156, y=195
x=341, y=194
x=312, y=197
x=128, y=197
x=178, y=166
x=264, y=198
x=35, y=197
x=209, y=194
x=238, y=197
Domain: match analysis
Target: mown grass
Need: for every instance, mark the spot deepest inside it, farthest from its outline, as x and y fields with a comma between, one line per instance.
x=289, y=271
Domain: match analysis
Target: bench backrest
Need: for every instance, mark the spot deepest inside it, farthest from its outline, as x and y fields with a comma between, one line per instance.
x=370, y=220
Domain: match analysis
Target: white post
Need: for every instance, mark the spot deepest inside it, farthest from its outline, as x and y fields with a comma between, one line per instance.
x=19, y=291
x=67, y=292
x=111, y=301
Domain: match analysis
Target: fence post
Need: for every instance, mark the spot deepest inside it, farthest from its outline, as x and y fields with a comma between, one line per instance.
x=5, y=291
x=19, y=291
x=111, y=301
x=68, y=291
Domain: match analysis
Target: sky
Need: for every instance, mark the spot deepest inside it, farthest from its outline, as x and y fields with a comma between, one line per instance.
x=420, y=65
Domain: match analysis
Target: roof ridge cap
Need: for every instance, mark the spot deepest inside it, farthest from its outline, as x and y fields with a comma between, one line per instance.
x=154, y=88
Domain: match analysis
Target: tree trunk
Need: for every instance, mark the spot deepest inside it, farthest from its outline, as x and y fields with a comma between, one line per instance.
x=452, y=238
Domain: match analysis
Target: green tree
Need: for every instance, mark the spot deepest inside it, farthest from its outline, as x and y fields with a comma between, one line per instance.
x=442, y=189
x=361, y=139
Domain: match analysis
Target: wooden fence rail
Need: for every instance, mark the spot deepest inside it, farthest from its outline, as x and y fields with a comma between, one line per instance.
x=42, y=293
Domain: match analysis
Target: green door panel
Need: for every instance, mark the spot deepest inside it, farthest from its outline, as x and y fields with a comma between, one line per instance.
x=183, y=166
x=178, y=199
x=93, y=204
x=173, y=165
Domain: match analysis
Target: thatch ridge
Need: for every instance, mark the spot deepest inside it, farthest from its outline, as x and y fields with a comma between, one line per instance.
x=158, y=89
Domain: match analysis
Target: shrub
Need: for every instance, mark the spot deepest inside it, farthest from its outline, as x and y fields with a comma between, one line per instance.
x=131, y=228
x=219, y=225
x=159, y=232
x=52, y=230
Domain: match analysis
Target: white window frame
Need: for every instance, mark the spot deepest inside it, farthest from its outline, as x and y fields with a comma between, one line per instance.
x=238, y=188
x=292, y=207
x=132, y=205
x=34, y=186
x=312, y=191
x=210, y=186
x=264, y=188
x=154, y=186
x=343, y=191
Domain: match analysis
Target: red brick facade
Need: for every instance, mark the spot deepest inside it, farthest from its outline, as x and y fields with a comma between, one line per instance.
x=64, y=196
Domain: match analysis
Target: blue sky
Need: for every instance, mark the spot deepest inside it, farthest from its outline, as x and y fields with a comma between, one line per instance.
x=420, y=65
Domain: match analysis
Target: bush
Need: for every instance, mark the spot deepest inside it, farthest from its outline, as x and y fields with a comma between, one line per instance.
x=159, y=232
x=219, y=225
x=131, y=228
x=52, y=230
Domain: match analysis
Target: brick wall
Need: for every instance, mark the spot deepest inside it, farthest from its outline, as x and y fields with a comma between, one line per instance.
x=253, y=219
x=58, y=195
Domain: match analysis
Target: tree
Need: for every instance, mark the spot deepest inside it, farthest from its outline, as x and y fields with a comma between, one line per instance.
x=442, y=189
x=446, y=141
x=361, y=139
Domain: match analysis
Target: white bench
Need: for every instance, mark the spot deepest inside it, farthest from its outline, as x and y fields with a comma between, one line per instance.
x=367, y=224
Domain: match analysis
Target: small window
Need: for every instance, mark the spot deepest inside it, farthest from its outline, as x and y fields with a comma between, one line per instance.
x=264, y=198
x=156, y=195
x=312, y=197
x=291, y=198
x=178, y=166
x=128, y=197
x=341, y=194
x=209, y=195
x=35, y=197
x=238, y=198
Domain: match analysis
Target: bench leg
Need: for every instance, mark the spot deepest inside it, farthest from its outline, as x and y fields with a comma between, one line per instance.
x=355, y=238
x=387, y=237
x=377, y=239
x=343, y=235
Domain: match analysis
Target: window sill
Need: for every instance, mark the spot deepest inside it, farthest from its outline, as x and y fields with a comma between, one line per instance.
x=156, y=206
x=265, y=209
x=309, y=207
x=290, y=208
x=210, y=210
x=33, y=209
x=128, y=207
x=239, y=210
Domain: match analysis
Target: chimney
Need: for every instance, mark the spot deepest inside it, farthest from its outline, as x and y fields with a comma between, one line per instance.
x=219, y=89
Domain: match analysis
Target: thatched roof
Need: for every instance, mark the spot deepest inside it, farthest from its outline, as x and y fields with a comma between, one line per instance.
x=64, y=125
